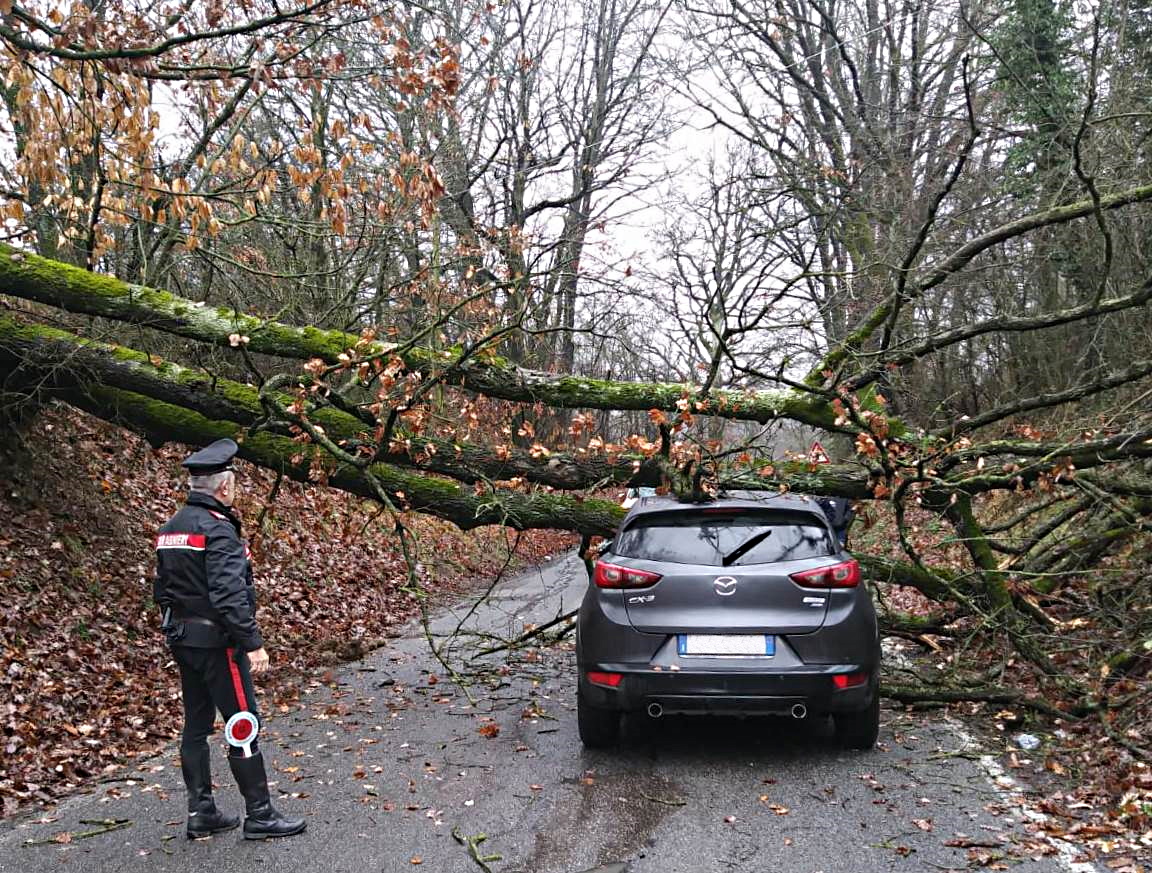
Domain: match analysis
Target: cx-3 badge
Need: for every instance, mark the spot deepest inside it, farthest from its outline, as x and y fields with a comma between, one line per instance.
x=725, y=585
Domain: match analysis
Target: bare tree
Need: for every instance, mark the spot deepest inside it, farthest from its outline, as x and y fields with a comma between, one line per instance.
x=534, y=166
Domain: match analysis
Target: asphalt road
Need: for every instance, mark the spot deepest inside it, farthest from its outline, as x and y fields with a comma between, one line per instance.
x=388, y=760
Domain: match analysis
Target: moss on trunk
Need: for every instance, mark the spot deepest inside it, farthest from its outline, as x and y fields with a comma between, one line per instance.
x=410, y=490
x=39, y=352
x=66, y=287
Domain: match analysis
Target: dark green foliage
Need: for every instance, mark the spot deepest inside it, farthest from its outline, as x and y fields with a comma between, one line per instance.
x=1041, y=84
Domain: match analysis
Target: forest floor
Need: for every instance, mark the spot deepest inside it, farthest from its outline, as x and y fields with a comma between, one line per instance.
x=85, y=681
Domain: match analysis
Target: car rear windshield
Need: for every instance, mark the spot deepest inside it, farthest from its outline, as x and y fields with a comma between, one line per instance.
x=724, y=539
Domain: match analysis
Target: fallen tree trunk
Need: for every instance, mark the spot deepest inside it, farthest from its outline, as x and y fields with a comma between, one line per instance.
x=166, y=401
x=1021, y=462
x=46, y=355
x=70, y=288
x=41, y=357
x=305, y=463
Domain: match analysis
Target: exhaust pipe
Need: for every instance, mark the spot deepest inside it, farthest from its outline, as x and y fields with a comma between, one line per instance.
x=655, y=710
x=799, y=711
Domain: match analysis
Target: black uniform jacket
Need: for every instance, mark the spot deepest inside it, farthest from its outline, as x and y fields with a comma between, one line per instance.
x=840, y=515
x=203, y=570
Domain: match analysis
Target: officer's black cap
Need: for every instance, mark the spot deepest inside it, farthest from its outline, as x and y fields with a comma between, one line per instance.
x=214, y=458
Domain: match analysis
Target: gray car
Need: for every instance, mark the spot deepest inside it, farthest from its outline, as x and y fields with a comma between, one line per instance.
x=745, y=605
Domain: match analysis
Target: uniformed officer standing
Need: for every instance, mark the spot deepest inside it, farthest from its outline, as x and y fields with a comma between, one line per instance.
x=204, y=589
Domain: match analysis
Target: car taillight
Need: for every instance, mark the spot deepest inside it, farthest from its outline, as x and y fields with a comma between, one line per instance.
x=612, y=576
x=845, y=575
x=848, y=680
x=611, y=680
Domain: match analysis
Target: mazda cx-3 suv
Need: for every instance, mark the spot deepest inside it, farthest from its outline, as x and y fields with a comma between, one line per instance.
x=744, y=605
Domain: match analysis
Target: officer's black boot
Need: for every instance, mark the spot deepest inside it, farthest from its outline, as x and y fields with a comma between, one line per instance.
x=204, y=818
x=262, y=820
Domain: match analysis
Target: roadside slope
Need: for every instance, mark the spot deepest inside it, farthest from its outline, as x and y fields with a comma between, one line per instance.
x=83, y=683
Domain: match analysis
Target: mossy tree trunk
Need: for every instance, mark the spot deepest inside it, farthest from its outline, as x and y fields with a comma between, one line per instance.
x=75, y=290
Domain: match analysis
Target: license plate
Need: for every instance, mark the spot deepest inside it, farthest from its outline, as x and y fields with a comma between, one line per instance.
x=763, y=645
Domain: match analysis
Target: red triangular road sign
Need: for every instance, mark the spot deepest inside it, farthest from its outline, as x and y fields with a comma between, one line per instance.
x=817, y=455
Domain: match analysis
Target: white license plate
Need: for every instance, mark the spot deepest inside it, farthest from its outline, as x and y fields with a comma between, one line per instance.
x=763, y=645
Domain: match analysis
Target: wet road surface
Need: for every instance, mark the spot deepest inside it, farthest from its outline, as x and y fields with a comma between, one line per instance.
x=397, y=770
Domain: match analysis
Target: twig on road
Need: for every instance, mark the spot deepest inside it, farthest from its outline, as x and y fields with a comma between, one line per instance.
x=665, y=801
x=953, y=694
x=472, y=844
x=65, y=837
x=530, y=635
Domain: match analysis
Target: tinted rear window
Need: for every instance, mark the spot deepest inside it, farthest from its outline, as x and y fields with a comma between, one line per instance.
x=709, y=538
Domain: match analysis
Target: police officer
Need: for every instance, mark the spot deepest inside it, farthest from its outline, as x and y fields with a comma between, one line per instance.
x=204, y=589
x=840, y=515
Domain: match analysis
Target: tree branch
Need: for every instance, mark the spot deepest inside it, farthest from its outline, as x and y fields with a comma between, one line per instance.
x=70, y=288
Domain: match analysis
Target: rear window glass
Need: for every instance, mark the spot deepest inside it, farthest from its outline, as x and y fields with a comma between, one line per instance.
x=723, y=540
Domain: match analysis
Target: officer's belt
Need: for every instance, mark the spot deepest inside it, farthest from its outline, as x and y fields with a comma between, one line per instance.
x=196, y=619
x=198, y=633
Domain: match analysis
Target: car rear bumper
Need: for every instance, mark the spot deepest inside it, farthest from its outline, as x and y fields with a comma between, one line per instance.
x=744, y=693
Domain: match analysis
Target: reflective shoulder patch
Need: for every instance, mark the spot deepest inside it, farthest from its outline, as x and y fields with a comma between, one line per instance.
x=194, y=542
x=219, y=515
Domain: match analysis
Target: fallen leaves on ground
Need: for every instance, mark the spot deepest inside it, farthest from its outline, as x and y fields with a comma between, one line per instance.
x=86, y=682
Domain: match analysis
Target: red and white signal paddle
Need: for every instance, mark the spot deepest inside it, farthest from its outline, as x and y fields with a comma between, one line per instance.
x=241, y=731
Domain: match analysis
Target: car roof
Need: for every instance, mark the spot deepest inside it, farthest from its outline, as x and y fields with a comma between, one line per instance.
x=788, y=501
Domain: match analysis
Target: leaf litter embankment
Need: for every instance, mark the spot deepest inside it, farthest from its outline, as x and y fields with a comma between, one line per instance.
x=85, y=680
x=1088, y=776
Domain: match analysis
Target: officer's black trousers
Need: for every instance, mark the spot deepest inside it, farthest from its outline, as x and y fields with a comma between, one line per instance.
x=213, y=680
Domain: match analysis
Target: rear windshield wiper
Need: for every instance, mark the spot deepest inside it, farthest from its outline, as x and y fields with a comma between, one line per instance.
x=745, y=547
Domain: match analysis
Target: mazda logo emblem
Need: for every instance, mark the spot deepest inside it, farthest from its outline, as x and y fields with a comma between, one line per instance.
x=725, y=585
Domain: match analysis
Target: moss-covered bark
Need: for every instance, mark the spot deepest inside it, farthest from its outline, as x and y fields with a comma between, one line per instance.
x=39, y=352
x=853, y=481
x=914, y=624
x=994, y=591
x=51, y=356
x=412, y=490
x=407, y=489
x=939, y=584
x=75, y=290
